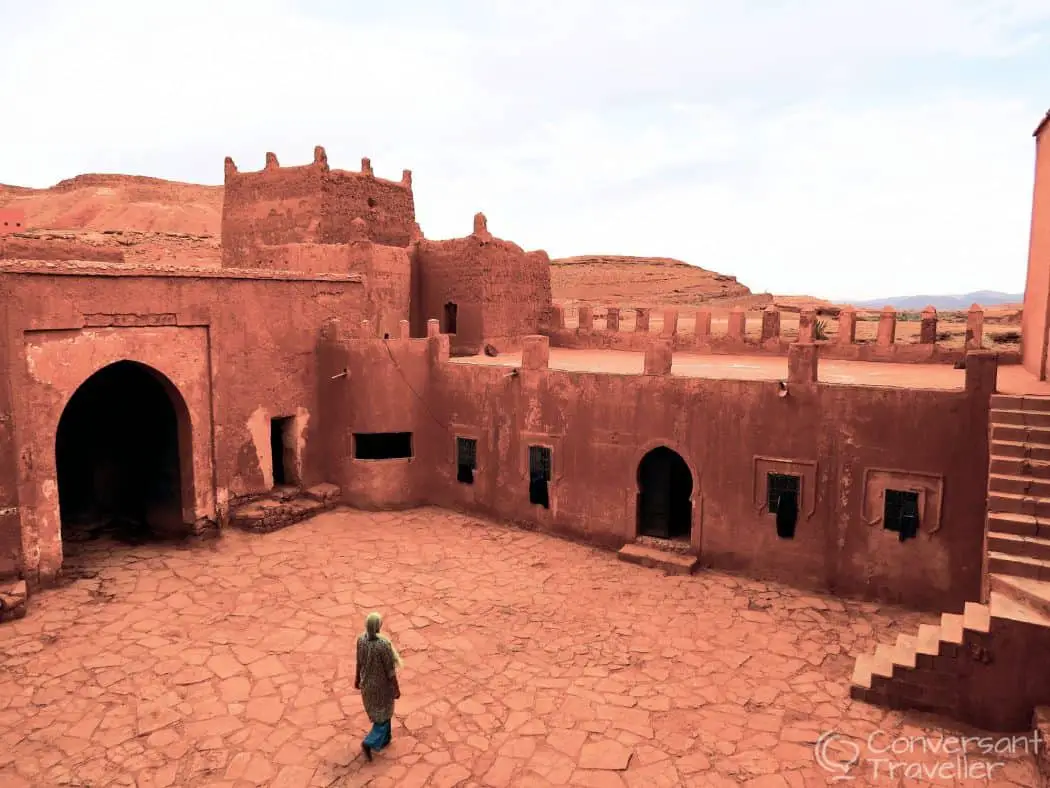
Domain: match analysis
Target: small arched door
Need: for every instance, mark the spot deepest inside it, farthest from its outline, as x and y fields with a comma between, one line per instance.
x=119, y=451
x=665, y=490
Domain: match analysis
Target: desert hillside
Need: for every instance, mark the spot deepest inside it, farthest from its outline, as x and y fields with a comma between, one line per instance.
x=610, y=280
x=119, y=202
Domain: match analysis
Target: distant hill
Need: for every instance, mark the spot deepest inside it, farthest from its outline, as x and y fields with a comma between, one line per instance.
x=944, y=302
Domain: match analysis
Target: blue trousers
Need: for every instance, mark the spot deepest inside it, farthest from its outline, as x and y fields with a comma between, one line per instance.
x=378, y=737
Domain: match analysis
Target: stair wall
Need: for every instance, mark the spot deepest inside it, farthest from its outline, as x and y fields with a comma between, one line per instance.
x=992, y=680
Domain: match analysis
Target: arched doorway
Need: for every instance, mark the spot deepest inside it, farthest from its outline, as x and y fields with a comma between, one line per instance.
x=665, y=489
x=122, y=457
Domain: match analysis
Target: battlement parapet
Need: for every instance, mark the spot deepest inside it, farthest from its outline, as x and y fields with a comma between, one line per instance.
x=319, y=164
x=770, y=333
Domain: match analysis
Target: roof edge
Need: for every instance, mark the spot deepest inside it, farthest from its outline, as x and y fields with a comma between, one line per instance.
x=1042, y=124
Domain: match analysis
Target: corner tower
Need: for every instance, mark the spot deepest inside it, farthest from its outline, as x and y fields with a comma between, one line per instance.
x=1035, y=320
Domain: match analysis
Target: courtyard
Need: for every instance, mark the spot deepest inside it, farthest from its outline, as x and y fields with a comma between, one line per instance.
x=529, y=661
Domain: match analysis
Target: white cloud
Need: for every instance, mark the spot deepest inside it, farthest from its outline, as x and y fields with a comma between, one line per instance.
x=838, y=147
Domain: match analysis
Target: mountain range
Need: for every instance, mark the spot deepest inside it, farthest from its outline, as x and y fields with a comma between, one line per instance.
x=944, y=302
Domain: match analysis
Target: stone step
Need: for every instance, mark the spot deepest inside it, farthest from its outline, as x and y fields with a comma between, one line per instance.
x=271, y=514
x=1020, y=598
x=928, y=641
x=1020, y=402
x=904, y=652
x=1019, y=466
x=1020, y=524
x=1021, y=485
x=671, y=562
x=1015, y=503
x=1020, y=449
x=952, y=628
x=1026, y=418
x=1018, y=566
x=1016, y=544
x=14, y=600
x=862, y=671
x=977, y=617
x=1039, y=436
x=882, y=661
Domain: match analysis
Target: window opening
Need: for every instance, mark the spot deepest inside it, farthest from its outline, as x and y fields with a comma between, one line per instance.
x=382, y=445
x=539, y=475
x=900, y=513
x=782, y=500
x=466, y=460
x=451, y=317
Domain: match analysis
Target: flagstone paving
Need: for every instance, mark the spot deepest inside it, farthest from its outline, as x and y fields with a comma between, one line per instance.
x=529, y=661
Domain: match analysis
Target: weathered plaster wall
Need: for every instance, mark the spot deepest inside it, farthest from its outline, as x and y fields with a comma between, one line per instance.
x=309, y=205
x=12, y=220
x=845, y=441
x=386, y=389
x=252, y=363
x=508, y=289
x=10, y=526
x=1034, y=327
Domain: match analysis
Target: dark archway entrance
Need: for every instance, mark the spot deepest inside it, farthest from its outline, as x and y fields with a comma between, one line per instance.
x=665, y=489
x=117, y=452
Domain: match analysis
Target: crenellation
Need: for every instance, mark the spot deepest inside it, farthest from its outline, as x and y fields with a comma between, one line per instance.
x=770, y=324
x=974, y=328
x=847, y=333
x=271, y=162
x=807, y=325
x=670, y=323
x=887, y=332
x=702, y=325
x=585, y=317
x=737, y=326
x=641, y=320
x=366, y=167
x=928, y=327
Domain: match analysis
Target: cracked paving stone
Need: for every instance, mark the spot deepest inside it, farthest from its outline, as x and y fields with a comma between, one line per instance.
x=232, y=665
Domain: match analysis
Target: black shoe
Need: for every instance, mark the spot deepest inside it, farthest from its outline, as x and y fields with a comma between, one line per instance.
x=367, y=751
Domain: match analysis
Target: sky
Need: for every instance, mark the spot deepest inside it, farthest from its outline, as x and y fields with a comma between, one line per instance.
x=839, y=148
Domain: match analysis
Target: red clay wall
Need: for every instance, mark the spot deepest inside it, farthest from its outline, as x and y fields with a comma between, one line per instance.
x=257, y=367
x=387, y=390
x=1034, y=328
x=509, y=288
x=388, y=208
x=310, y=205
x=845, y=441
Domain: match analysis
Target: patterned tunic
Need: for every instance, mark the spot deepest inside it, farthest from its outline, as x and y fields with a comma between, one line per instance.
x=375, y=660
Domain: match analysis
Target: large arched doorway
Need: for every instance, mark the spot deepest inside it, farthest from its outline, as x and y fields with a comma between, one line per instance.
x=665, y=489
x=120, y=451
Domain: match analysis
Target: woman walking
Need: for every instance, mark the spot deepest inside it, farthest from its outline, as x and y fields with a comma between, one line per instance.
x=376, y=677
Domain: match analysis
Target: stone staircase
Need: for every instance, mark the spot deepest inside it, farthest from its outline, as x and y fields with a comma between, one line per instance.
x=675, y=557
x=922, y=671
x=1019, y=500
x=282, y=506
x=950, y=668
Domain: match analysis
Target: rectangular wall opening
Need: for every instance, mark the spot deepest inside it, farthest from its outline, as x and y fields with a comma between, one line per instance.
x=540, y=476
x=782, y=491
x=451, y=317
x=382, y=445
x=900, y=513
x=283, y=451
x=466, y=460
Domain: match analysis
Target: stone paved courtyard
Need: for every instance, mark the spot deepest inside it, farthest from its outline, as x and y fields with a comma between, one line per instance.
x=529, y=661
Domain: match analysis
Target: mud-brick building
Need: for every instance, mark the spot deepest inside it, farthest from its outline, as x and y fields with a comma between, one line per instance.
x=338, y=356
x=168, y=394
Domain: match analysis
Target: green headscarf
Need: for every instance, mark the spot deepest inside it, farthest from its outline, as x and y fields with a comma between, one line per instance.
x=373, y=624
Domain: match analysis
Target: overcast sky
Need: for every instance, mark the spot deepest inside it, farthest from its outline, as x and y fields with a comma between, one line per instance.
x=841, y=148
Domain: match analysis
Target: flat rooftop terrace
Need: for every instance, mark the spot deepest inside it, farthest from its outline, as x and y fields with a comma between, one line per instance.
x=1013, y=379
x=529, y=661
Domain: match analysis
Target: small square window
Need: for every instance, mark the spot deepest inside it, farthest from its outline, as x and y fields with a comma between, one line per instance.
x=900, y=513
x=466, y=459
x=777, y=485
